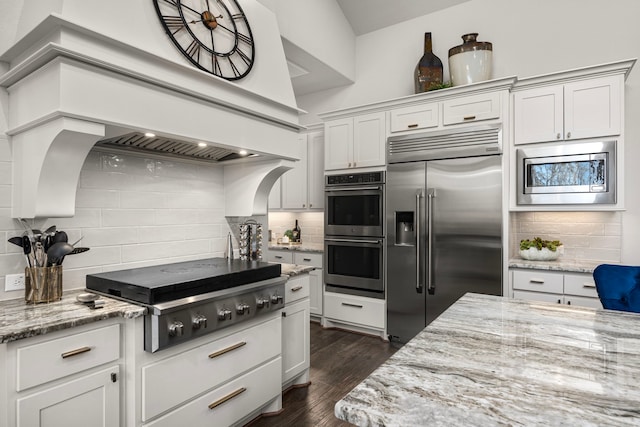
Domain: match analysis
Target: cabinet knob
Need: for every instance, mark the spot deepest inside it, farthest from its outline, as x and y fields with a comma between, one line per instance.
x=310, y=205
x=559, y=301
x=568, y=134
x=558, y=136
x=304, y=205
x=354, y=164
x=349, y=164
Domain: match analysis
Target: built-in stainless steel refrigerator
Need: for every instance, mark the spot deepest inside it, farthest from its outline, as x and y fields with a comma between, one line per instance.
x=444, y=227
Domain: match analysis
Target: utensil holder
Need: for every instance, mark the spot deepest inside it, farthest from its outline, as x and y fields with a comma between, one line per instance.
x=42, y=284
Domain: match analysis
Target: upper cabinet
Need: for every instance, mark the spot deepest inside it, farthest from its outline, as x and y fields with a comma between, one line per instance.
x=355, y=142
x=303, y=186
x=586, y=108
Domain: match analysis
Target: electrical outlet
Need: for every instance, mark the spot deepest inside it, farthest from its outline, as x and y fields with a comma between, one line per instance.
x=14, y=282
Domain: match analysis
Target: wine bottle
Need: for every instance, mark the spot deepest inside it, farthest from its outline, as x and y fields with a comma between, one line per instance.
x=296, y=233
x=428, y=73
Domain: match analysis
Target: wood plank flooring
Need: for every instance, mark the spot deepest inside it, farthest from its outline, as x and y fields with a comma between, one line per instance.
x=340, y=360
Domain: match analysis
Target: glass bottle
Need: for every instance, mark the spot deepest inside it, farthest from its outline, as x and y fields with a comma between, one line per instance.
x=296, y=233
x=428, y=72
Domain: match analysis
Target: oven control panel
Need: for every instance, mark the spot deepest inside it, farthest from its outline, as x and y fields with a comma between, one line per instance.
x=195, y=320
x=356, y=178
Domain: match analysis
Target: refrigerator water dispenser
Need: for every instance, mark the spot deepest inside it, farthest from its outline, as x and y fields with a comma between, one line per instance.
x=404, y=229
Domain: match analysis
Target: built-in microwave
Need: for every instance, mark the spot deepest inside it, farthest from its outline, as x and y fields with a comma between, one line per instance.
x=567, y=173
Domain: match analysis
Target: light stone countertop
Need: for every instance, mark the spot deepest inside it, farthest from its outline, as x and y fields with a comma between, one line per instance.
x=560, y=264
x=490, y=361
x=292, y=270
x=20, y=320
x=304, y=247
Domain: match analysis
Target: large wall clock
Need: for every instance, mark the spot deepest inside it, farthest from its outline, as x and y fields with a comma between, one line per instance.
x=213, y=34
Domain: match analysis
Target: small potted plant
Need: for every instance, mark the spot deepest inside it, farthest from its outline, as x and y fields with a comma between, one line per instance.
x=540, y=250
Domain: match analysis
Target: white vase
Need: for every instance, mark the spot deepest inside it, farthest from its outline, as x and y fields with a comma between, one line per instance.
x=471, y=61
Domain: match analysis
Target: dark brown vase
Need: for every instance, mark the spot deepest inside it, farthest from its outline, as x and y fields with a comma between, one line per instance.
x=428, y=72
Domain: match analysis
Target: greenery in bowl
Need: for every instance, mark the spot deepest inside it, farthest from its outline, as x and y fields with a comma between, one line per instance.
x=289, y=234
x=538, y=243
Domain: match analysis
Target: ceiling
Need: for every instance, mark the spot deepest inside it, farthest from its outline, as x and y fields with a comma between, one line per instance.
x=371, y=15
x=309, y=75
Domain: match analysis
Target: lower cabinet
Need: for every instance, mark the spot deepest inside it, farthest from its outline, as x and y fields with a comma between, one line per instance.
x=66, y=378
x=360, y=313
x=561, y=288
x=316, y=293
x=296, y=340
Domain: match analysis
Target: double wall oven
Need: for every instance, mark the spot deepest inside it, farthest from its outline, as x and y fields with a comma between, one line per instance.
x=354, y=234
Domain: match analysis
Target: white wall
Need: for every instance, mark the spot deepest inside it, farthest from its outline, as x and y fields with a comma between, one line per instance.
x=529, y=38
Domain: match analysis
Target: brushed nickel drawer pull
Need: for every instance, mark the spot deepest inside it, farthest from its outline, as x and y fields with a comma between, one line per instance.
x=296, y=289
x=75, y=352
x=414, y=125
x=351, y=305
x=469, y=118
x=588, y=285
x=277, y=257
x=306, y=259
x=534, y=280
x=227, y=398
x=226, y=350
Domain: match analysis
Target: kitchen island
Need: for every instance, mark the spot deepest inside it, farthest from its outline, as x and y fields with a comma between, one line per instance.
x=496, y=361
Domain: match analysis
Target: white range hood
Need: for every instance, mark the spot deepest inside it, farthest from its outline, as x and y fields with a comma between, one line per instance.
x=71, y=78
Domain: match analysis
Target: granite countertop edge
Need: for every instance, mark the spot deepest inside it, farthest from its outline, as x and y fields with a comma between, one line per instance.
x=567, y=265
x=19, y=320
x=292, y=270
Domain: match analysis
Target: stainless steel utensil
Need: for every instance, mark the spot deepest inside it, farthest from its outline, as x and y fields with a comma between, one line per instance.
x=57, y=252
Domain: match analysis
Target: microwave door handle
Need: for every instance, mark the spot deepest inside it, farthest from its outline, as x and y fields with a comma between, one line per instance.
x=419, y=284
x=431, y=281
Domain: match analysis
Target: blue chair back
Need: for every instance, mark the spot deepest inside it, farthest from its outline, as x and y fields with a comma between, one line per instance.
x=618, y=287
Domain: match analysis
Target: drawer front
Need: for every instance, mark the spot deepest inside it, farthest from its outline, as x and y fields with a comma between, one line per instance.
x=50, y=360
x=580, y=284
x=285, y=257
x=229, y=403
x=415, y=117
x=471, y=109
x=306, y=258
x=537, y=296
x=296, y=288
x=175, y=380
x=537, y=281
x=353, y=309
x=582, y=301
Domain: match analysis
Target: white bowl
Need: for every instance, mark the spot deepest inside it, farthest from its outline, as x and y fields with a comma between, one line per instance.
x=545, y=254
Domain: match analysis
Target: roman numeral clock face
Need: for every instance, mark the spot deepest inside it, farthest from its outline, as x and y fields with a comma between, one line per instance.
x=213, y=34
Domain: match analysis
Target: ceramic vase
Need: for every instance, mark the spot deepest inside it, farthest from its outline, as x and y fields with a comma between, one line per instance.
x=428, y=73
x=471, y=61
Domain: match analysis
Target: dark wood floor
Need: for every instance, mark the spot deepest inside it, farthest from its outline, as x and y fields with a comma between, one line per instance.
x=339, y=361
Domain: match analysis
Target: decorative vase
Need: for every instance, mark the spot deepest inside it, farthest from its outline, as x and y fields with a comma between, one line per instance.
x=471, y=61
x=429, y=69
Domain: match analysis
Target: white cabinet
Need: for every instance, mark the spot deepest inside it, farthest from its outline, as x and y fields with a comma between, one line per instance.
x=581, y=109
x=282, y=257
x=69, y=378
x=355, y=142
x=471, y=108
x=303, y=186
x=296, y=332
x=352, y=309
x=561, y=288
x=316, y=284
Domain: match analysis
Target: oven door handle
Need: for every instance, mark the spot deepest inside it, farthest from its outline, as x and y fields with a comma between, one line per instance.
x=373, y=242
x=333, y=189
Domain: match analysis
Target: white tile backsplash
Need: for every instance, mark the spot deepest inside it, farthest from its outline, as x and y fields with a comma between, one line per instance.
x=132, y=211
x=586, y=236
x=311, y=225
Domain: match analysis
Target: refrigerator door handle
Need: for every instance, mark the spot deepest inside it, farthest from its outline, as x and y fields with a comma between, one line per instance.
x=419, y=285
x=431, y=282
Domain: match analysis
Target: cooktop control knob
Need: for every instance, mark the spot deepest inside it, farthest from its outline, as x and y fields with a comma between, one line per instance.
x=224, y=314
x=176, y=328
x=199, y=321
x=243, y=308
x=276, y=299
x=262, y=302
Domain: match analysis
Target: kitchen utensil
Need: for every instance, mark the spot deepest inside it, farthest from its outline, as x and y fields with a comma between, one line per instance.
x=228, y=253
x=16, y=241
x=75, y=251
x=57, y=252
x=60, y=236
x=26, y=249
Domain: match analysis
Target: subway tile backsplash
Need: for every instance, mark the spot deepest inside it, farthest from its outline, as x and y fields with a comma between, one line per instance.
x=587, y=236
x=311, y=225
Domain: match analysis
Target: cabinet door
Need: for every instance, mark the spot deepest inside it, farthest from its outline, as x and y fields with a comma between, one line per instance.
x=91, y=401
x=315, y=149
x=315, y=292
x=338, y=144
x=538, y=296
x=471, y=108
x=369, y=138
x=283, y=257
x=415, y=117
x=294, y=182
x=593, y=107
x=295, y=339
x=538, y=115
